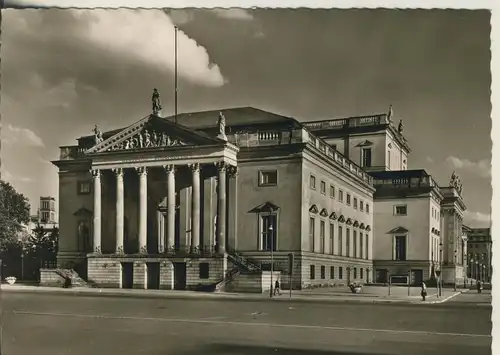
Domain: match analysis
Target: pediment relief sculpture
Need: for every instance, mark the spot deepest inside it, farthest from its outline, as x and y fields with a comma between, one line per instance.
x=147, y=139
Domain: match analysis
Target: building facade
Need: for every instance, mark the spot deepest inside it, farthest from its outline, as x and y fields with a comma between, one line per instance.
x=46, y=217
x=479, y=255
x=193, y=200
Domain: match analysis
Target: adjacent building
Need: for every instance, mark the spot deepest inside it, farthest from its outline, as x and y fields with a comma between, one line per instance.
x=479, y=256
x=198, y=199
x=46, y=217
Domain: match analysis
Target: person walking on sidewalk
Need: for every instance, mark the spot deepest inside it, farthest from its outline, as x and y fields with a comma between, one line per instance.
x=479, y=286
x=423, y=291
x=277, y=288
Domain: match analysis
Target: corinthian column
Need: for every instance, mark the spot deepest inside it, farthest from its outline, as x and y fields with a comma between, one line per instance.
x=195, y=210
x=143, y=209
x=119, y=210
x=221, y=208
x=96, y=174
x=170, y=170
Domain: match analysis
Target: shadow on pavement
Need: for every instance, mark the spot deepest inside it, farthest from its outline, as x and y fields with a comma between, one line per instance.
x=240, y=349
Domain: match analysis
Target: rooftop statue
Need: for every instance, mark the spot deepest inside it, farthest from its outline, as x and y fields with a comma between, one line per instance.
x=221, y=125
x=390, y=114
x=156, y=101
x=97, y=135
x=400, y=127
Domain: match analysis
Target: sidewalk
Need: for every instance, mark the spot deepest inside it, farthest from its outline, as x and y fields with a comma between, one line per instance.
x=297, y=296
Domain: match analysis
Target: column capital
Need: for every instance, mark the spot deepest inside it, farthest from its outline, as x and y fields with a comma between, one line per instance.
x=118, y=172
x=96, y=173
x=195, y=167
x=169, y=168
x=221, y=166
x=141, y=170
x=232, y=171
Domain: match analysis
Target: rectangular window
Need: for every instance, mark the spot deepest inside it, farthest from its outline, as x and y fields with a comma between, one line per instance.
x=348, y=242
x=204, y=270
x=268, y=178
x=323, y=272
x=83, y=189
x=339, y=237
x=332, y=191
x=312, y=272
x=348, y=199
x=332, y=272
x=366, y=246
x=366, y=157
x=332, y=238
x=355, y=203
x=341, y=272
x=361, y=245
x=355, y=273
x=269, y=232
x=361, y=273
x=312, y=182
x=361, y=205
x=367, y=208
x=354, y=243
x=341, y=196
x=400, y=247
x=400, y=210
x=322, y=237
x=311, y=234
x=323, y=187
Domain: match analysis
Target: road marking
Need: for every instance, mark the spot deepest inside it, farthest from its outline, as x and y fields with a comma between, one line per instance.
x=252, y=324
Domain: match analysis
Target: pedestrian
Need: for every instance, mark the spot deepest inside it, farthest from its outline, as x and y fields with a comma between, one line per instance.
x=277, y=288
x=479, y=286
x=423, y=291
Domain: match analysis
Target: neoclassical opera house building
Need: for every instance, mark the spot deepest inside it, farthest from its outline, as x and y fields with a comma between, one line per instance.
x=208, y=198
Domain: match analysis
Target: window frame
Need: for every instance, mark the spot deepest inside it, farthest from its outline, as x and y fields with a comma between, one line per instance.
x=400, y=206
x=312, y=181
x=261, y=177
x=203, y=274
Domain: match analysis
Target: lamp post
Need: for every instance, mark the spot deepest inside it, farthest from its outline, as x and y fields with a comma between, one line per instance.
x=476, y=273
x=455, y=273
x=272, y=256
x=440, y=268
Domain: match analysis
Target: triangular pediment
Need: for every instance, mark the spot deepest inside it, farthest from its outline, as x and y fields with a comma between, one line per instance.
x=341, y=218
x=151, y=132
x=398, y=230
x=349, y=221
x=362, y=226
x=368, y=228
x=365, y=143
x=323, y=213
x=333, y=216
x=313, y=209
x=355, y=224
x=82, y=212
x=266, y=207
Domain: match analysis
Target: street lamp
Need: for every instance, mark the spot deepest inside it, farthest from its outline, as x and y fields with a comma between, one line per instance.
x=440, y=268
x=455, y=273
x=272, y=256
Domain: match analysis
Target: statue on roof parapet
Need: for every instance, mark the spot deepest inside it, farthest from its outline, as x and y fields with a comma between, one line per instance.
x=456, y=183
x=400, y=127
x=156, y=101
x=97, y=135
x=390, y=114
x=221, y=126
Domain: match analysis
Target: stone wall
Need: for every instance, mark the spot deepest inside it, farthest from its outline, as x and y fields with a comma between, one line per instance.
x=216, y=271
x=49, y=277
x=253, y=282
x=104, y=271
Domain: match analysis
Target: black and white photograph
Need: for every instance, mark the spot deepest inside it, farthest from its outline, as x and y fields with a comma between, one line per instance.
x=245, y=180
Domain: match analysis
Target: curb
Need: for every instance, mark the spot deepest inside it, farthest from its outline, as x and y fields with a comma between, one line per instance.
x=214, y=297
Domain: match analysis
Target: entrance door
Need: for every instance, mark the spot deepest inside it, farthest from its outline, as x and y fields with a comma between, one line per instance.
x=417, y=277
x=153, y=276
x=179, y=276
x=127, y=275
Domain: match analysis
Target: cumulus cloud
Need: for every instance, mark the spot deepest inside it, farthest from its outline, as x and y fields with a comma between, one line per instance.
x=481, y=167
x=477, y=218
x=148, y=36
x=429, y=160
x=17, y=135
x=233, y=14
x=7, y=176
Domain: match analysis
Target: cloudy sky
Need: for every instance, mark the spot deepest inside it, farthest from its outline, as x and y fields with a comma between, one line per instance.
x=65, y=70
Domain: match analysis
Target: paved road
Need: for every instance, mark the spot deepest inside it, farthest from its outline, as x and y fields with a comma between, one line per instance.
x=42, y=324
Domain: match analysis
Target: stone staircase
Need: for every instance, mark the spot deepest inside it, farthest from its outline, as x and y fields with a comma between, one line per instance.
x=72, y=279
x=220, y=286
x=243, y=264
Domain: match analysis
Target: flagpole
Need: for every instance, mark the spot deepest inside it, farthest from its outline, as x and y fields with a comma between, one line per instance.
x=175, y=75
